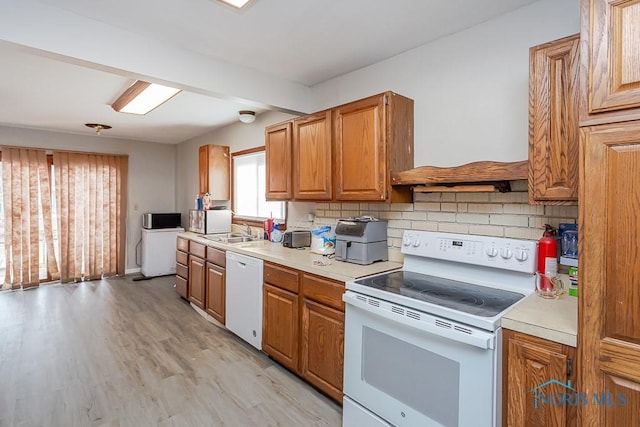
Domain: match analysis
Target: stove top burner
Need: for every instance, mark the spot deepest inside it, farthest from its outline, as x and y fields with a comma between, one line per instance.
x=473, y=299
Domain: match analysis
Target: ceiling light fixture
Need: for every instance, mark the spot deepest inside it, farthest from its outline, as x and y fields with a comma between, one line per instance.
x=247, y=116
x=142, y=97
x=97, y=126
x=239, y=4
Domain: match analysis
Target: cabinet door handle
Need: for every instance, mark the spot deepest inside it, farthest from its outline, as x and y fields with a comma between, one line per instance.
x=569, y=366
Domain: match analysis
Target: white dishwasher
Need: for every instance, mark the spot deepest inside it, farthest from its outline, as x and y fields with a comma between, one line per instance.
x=243, y=309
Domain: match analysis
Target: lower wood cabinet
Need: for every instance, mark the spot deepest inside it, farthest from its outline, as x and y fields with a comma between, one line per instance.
x=280, y=326
x=534, y=371
x=303, y=325
x=196, y=280
x=182, y=267
x=214, y=294
x=323, y=347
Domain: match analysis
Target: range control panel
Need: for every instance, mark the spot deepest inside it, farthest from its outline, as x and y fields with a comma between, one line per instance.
x=497, y=252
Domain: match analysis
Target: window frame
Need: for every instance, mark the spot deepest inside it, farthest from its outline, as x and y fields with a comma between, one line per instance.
x=240, y=220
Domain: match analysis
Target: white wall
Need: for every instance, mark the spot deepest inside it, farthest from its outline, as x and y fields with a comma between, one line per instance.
x=238, y=136
x=470, y=88
x=152, y=178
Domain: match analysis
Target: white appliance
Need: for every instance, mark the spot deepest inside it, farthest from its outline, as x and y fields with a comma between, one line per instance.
x=210, y=221
x=423, y=344
x=243, y=298
x=159, y=251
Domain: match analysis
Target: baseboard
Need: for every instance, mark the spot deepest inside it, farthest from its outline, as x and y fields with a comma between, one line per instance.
x=132, y=270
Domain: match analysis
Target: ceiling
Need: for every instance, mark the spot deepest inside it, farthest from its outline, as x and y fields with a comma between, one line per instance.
x=301, y=42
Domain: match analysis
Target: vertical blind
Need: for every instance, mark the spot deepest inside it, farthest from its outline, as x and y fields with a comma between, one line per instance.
x=90, y=202
x=90, y=195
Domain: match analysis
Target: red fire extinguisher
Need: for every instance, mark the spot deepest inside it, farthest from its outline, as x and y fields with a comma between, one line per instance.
x=548, y=253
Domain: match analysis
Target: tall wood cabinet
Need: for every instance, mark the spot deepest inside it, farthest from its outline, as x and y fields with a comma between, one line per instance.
x=278, y=140
x=610, y=272
x=346, y=153
x=553, y=122
x=528, y=363
x=610, y=61
x=214, y=167
x=608, y=316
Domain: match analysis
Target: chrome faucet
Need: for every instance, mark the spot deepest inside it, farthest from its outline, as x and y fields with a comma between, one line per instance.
x=248, y=230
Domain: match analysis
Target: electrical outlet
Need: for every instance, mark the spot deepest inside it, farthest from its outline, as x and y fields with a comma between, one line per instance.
x=135, y=207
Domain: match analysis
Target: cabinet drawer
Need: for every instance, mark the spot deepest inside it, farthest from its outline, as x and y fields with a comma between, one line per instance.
x=183, y=244
x=181, y=257
x=182, y=270
x=216, y=256
x=181, y=287
x=197, y=249
x=281, y=277
x=322, y=290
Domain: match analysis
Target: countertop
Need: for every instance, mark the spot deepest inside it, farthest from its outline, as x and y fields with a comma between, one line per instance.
x=300, y=259
x=552, y=319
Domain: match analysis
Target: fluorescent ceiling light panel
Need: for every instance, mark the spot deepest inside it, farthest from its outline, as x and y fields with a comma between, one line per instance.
x=143, y=97
x=236, y=3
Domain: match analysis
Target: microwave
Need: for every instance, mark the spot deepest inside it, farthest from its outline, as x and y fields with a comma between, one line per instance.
x=210, y=221
x=153, y=221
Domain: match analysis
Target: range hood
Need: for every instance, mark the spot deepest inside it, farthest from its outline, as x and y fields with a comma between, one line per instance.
x=485, y=176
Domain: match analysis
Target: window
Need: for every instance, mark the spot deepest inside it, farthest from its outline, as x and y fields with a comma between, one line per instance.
x=249, y=188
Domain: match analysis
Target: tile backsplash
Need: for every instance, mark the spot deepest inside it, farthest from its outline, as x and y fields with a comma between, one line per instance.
x=490, y=214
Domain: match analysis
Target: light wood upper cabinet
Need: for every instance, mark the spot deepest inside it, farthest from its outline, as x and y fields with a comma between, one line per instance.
x=312, y=157
x=553, y=122
x=278, y=146
x=528, y=363
x=611, y=60
x=609, y=319
x=372, y=138
x=214, y=166
x=346, y=153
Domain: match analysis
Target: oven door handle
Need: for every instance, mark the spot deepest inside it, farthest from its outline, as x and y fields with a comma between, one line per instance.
x=460, y=333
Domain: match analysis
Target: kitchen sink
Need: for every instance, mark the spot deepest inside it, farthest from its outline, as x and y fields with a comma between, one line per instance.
x=231, y=238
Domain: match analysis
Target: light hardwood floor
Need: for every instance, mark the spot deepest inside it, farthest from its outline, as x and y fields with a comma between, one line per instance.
x=122, y=353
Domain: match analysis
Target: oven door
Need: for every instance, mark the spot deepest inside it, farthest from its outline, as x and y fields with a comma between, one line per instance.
x=410, y=369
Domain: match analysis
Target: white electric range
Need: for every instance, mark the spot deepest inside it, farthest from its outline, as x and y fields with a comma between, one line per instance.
x=423, y=344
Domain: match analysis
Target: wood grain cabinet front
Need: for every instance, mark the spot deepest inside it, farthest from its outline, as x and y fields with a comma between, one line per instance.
x=278, y=145
x=312, y=157
x=196, y=280
x=609, y=320
x=215, y=291
x=372, y=138
x=533, y=370
x=610, y=61
x=322, y=347
x=553, y=122
x=214, y=168
x=280, y=326
x=182, y=267
x=345, y=153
